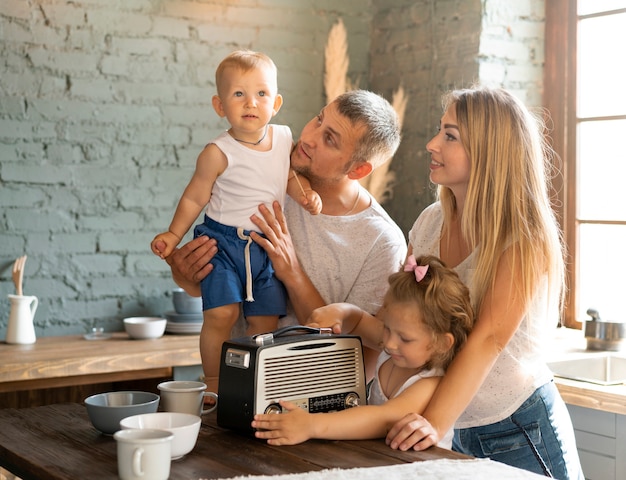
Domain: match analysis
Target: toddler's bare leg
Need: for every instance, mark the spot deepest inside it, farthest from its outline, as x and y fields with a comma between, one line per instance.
x=216, y=327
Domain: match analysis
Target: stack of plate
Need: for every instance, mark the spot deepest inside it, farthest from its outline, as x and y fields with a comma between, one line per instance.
x=183, y=322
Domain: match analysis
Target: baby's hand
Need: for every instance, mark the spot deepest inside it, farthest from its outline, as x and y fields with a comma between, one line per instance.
x=312, y=202
x=163, y=244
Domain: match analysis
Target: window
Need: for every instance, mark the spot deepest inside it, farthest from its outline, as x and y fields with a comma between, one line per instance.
x=585, y=93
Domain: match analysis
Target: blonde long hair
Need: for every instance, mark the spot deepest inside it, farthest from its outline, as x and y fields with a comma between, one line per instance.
x=507, y=202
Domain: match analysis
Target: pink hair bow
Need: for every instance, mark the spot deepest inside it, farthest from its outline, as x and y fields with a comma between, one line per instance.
x=412, y=266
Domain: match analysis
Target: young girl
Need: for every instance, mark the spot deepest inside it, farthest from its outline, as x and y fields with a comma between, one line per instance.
x=426, y=317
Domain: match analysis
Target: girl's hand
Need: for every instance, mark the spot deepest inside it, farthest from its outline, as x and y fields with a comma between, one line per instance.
x=330, y=316
x=412, y=431
x=290, y=428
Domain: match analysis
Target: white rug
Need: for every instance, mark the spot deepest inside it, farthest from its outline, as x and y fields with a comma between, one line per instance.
x=476, y=469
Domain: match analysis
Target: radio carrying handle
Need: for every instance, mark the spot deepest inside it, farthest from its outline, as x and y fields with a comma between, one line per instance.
x=264, y=338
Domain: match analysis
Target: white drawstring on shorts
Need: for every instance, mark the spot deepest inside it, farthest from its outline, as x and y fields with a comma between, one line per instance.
x=243, y=236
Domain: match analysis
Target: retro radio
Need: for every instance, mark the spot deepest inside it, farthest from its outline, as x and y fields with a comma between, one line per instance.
x=311, y=367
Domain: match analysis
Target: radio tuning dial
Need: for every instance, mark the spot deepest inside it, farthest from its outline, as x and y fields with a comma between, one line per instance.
x=352, y=400
x=274, y=408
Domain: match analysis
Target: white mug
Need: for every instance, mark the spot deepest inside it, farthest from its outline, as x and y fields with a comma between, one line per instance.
x=144, y=454
x=185, y=396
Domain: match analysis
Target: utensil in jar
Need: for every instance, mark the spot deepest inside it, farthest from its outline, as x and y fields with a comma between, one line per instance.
x=18, y=273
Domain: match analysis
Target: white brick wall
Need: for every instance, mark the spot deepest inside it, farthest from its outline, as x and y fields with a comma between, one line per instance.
x=104, y=110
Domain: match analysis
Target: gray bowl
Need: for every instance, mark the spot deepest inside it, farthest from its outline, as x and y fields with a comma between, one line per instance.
x=185, y=303
x=105, y=410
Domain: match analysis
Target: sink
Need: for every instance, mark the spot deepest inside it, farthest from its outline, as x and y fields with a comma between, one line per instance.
x=605, y=369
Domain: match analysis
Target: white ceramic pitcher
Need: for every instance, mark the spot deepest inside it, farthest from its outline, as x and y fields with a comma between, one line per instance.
x=21, y=328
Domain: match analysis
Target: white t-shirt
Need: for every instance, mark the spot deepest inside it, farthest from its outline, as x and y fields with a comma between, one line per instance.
x=520, y=368
x=347, y=258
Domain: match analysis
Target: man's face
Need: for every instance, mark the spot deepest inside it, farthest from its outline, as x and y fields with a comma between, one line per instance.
x=324, y=152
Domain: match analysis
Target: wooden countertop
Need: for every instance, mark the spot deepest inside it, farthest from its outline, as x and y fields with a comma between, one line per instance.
x=570, y=343
x=67, y=360
x=58, y=442
x=71, y=360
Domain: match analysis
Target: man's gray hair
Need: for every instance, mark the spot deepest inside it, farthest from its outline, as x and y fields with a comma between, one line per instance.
x=381, y=138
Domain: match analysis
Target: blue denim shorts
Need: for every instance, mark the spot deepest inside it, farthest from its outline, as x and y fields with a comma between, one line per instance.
x=538, y=437
x=226, y=284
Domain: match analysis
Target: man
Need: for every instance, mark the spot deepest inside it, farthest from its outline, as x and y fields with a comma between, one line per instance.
x=344, y=254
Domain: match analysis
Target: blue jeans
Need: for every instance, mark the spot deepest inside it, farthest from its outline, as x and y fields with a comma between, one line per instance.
x=538, y=437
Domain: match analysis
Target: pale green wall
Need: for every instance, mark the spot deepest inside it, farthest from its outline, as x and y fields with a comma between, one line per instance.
x=103, y=112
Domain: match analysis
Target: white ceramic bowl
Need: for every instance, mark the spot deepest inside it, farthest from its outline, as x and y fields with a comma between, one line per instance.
x=184, y=426
x=143, y=328
x=105, y=410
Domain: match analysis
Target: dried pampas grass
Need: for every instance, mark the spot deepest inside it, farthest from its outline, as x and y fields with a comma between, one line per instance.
x=380, y=182
x=336, y=56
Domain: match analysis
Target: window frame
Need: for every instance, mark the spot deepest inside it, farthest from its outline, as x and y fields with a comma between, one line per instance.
x=559, y=100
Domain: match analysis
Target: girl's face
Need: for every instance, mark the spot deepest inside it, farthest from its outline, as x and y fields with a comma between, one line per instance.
x=449, y=163
x=405, y=338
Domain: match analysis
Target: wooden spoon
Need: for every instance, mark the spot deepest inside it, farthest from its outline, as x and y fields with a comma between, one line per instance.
x=18, y=273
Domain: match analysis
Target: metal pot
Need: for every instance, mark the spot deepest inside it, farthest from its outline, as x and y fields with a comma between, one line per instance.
x=605, y=336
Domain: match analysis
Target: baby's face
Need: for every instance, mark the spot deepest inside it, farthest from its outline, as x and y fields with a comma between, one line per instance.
x=249, y=98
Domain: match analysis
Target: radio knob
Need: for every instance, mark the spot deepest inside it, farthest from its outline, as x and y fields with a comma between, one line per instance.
x=352, y=400
x=274, y=408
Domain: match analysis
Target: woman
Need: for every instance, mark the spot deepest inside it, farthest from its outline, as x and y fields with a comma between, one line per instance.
x=494, y=225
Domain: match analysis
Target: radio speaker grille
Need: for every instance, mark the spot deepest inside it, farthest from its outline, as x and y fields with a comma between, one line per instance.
x=311, y=373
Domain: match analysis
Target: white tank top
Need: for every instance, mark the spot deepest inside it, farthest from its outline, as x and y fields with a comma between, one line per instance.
x=376, y=395
x=250, y=179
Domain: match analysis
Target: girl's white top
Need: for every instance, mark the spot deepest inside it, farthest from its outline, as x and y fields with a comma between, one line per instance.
x=377, y=397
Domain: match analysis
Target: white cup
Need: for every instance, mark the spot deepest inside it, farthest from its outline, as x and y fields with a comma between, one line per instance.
x=185, y=396
x=143, y=454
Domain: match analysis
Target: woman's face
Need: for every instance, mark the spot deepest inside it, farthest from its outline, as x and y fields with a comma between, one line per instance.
x=449, y=163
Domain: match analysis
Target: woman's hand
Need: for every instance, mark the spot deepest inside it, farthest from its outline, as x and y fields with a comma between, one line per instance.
x=191, y=263
x=412, y=431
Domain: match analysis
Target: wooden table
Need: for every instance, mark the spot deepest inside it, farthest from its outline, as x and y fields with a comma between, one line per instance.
x=58, y=442
x=72, y=360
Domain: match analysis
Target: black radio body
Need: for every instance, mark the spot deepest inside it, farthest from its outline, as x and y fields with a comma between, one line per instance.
x=317, y=370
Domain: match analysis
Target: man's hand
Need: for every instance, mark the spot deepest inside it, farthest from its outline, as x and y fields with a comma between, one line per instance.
x=277, y=242
x=412, y=431
x=191, y=263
